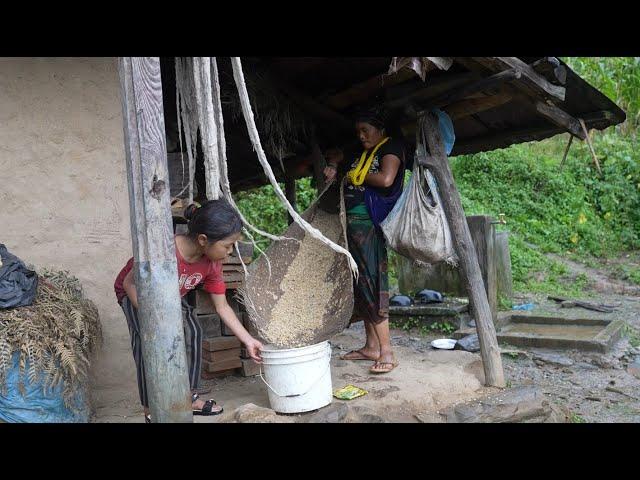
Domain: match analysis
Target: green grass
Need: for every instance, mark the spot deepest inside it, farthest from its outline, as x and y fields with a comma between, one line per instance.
x=415, y=323
x=632, y=334
x=575, y=418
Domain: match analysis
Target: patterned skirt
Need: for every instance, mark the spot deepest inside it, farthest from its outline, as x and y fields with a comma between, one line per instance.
x=368, y=247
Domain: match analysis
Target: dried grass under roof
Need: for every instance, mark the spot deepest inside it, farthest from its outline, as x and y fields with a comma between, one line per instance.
x=283, y=127
x=56, y=335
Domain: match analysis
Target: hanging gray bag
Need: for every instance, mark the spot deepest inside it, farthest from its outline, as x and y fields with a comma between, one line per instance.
x=417, y=227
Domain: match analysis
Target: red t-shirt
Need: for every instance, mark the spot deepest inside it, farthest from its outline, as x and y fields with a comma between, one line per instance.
x=190, y=275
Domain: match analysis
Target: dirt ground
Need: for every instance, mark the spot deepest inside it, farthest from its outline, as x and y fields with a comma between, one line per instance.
x=595, y=388
x=425, y=382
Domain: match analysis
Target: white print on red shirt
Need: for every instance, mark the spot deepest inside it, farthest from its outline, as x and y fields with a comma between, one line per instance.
x=190, y=282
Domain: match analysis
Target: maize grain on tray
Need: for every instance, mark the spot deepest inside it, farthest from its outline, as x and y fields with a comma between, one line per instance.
x=307, y=292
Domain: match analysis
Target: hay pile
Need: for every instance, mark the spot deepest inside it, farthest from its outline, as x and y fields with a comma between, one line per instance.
x=55, y=336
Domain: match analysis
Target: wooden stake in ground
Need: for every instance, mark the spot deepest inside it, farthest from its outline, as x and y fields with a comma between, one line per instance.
x=155, y=267
x=566, y=151
x=588, y=139
x=468, y=259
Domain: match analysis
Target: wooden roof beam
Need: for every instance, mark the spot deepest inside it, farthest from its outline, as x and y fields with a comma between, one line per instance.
x=364, y=90
x=531, y=82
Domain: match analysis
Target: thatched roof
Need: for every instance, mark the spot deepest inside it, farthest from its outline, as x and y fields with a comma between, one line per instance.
x=494, y=101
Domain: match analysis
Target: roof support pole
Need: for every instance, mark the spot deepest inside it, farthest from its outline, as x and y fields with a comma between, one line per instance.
x=463, y=243
x=156, y=274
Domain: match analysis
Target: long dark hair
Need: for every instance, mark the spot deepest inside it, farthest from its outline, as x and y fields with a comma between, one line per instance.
x=216, y=219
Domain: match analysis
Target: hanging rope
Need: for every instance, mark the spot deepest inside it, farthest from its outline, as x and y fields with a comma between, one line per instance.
x=255, y=140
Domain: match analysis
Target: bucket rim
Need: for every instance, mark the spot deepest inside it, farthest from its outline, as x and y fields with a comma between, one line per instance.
x=265, y=349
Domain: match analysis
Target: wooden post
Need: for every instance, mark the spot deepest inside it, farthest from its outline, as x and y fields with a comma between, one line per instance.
x=290, y=193
x=482, y=234
x=468, y=258
x=503, y=265
x=156, y=274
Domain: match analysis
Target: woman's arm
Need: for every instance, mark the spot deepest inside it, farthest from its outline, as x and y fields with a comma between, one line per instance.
x=230, y=319
x=130, y=287
x=387, y=174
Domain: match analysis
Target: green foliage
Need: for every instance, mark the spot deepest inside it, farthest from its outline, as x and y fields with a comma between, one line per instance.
x=572, y=211
x=632, y=334
x=575, y=418
x=262, y=208
x=618, y=78
x=410, y=323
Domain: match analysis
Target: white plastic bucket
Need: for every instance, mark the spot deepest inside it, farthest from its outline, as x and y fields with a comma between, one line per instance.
x=298, y=379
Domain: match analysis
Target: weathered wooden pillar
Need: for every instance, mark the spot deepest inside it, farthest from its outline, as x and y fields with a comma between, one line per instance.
x=290, y=193
x=483, y=236
x=156, y=274
x=503, y=265
x=438, y=162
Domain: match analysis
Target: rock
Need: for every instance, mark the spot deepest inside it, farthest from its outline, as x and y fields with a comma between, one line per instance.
x=470, y=343
x=559, y=414
x=250, y=413
x=586, y=366
x=334, y=413
x=634, y=368
x=345, y=413
x=603, y=362
x=553, y=359
x=516, y=405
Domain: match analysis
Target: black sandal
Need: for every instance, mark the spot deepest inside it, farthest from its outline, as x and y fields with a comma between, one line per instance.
x=207, y=409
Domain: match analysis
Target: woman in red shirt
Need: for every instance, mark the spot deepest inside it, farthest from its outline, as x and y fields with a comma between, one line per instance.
x=213, y=230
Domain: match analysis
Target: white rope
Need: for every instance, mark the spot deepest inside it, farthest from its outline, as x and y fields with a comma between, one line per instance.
x=255, y=139
x=222, y=154
x=208, y=130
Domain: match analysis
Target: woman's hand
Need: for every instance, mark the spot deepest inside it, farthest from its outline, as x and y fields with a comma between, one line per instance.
x=254, y=347
x=330, y=173
x=333, y=157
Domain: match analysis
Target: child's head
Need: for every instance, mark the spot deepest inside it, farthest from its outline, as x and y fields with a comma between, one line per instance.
x=215, y=227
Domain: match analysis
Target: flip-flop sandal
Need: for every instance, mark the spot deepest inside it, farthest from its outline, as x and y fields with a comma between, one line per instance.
x=207, y=408
x=373, y=369
x=362, y=356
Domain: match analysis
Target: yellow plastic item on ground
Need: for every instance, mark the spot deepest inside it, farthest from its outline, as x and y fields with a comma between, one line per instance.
x=349, y=392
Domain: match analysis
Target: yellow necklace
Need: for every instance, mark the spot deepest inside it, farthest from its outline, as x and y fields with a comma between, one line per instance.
x=358, y=174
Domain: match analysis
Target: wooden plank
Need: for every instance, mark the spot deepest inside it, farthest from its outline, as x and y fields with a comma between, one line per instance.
x=224, y=373
x=464, y=91
x=250, y=368
x=221, y=355
x=204, y=305
x=220, y=366
x=160, y=309
x=365, y=90
x=531, y=82
x=401, y=95
x=220, y=343
x=502, y=139
x=233, y=277
x=211, y=325
x=559, y=117
x=463, y=243
x=472, y=106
